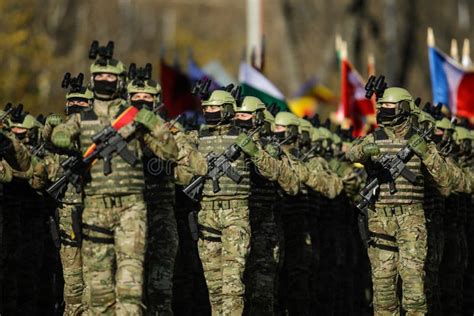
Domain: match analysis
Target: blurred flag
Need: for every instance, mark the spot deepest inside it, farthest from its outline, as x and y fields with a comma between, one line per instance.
x=217, y=71
x=354, y=105
x=451, y=83
x=176, y=87
x=313, y=88
x=303, y=106
x=254, y=83
x=196, y=73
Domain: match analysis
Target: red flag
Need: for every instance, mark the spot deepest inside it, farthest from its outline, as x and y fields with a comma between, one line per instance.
x=176, y=91
x=355, y=106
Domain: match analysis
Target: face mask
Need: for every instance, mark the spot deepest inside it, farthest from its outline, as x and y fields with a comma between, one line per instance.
x=437, y=138
x=21, y=136
x=305, y=139
x=76, y=109
x=142, y=104
x=105, y=88
x=386, y=115
x=245, y=124
x=212, y=117
x=279, y=135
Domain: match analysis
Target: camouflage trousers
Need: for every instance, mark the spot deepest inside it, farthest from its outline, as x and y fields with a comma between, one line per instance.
x=435, y=230
x=71, y=260
x=162, y=245
x=223, y=249
x=113, y=252
x=399, y=249
x=262, y=263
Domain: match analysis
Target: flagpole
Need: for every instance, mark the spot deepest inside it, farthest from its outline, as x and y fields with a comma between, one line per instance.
x=454, y=50
x=466, y=54
x=430, y=39
x=254, y=33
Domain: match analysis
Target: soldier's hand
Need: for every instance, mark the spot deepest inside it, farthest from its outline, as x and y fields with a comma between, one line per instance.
x=418, y=145
x=53, y=120
x=61, y=139
x=6, y=173
x=147, y=118
x=247, y=145
x=272, y=150
x=370, y=150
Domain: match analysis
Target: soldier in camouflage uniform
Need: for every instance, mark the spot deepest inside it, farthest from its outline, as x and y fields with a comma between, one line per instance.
x=224, y=215
x=15, y=165
x=69, y=212
x=114, y=217
x=162, y=239
x=326, y=237
x=294, y=287
x=397, y=224
x=29, y=237
x=190, y=294
x=262, y=264
x=454, y=259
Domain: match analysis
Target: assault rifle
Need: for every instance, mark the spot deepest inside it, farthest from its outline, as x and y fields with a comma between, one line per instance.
x=218, y=166
x=391, y=167
x=107, y=143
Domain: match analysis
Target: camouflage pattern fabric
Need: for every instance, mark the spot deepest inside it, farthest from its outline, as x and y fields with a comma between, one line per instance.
x=114, y=263
x=405, y=232
x=71, y=260
x=223, y=255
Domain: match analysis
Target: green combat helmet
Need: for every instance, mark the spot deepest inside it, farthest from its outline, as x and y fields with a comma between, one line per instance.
x=28, y=122
x=304, y=131
x=426, y=121
x=463, y=141
x=105, y=64
x=77, y=92
x=26, y=129
x=404, y=103
x=141, y=82
x=269, y=123
x=225, y=101
x=250, y=105
x=254, y=106
x=291, y=122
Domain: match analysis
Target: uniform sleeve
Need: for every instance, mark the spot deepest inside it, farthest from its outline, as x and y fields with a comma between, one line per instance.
x=437, y=168
x=39, y=176
x=190, y=161
x=162, y=143
x=268, y=166
x=16, y=155
x=71, y=127
x=459, y=178
x=355, y=153
x=288, y=178
x=321, y=179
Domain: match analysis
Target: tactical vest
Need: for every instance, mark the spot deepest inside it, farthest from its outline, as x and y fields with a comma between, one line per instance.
x=407, y=193
x=124, y=179
x=229, y=190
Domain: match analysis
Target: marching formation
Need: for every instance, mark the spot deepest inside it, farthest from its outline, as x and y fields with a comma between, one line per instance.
x=115, y=209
